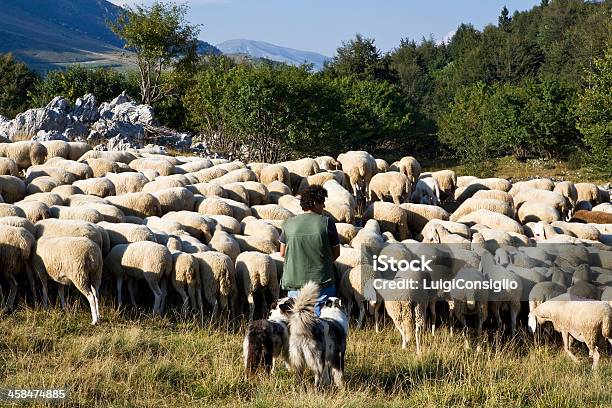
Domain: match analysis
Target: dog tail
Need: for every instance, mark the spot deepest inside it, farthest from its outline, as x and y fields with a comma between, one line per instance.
x=257, y=350
x=303, y=316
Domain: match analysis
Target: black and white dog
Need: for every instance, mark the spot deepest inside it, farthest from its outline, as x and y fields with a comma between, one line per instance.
x=267, y=340
x=317, y=343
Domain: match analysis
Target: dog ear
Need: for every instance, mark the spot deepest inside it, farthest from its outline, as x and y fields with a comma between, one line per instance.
x=286, y=306
x=329, y=302
x=273, y=305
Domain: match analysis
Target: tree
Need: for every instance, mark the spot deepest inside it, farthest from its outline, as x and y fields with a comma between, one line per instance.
x=76, y=81
x=360, y=58
x=161, y=39
x=15, y=81
x=594, y=110
x=504, y=20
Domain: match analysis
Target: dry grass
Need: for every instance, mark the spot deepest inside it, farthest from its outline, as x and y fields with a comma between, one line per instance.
x=135, y=360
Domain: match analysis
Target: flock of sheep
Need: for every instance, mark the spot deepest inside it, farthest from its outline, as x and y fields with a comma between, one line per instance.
x=209, y=228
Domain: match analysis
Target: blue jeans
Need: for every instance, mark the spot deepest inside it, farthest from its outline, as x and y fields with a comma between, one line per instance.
x=324, y=293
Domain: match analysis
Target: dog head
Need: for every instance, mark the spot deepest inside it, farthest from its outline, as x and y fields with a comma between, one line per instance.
x=281, y=309
x=334, y=302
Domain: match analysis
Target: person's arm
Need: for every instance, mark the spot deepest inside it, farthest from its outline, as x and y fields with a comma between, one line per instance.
x=283, y=244
x=334, y=239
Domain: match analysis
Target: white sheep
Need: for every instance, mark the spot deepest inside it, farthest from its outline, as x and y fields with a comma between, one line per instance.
x=140, y=260
x=390, y=184
x=197, y=225
x=589, y=322
x=185, y=279
x=391, y=217
x=426, y=191
x=218, y=277
x=15, y=249
x=360, y=167
x=256, y=272
x=70, y=260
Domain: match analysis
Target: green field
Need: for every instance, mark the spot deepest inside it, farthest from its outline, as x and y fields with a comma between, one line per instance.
x=135, y=360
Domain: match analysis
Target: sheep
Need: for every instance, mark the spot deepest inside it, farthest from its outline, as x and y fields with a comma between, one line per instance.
x=206, y=175
x=140, y=260
x=80, y=199
x=536, y=184
x=242, y=174
x=162, y=156
x=319, y=179
x=78, y=149
x=339, y=211
x=604, y=207
x=127, y=182
x=163, y=167
x=165, y=226
x=195, y=165
x=68, y=260
x=299, y=169
x=356, y=286
x=290, y=203
x=53, y=227
x=101, y=187
x=408, y=308
x=346, y=232
x=162, y=184
x=218, y=276
x=259, y=228
x=393, y=184
x=464, y=193
x=252, y=243
x=8, y=167
x=469, y=301
x=24, y=153
x=185, y=279
x=473, y=204
x=227, y=224
x=14, y=221
x=34, y=211
x=175, y=199
x=15, y=249
x=438, y=233
x=494, y=195
x=360, y=167
x=256, y=167
x=409, y=166
x=589, y=322
x=207, y=189
x=428, y=231
x=239, y=210
x=507, y=297
x=275, y=172
x=568, y=190
x=125, y=233
x=137, y=204
x=492, y=220
x=381, y=166
x=199, y=226
x=534, y=211
x=327, y=163
x=57, y=148
x=368, y=239
x=585, y=290
x=224, y=243
x=78, y=170
x=75, y=213
x=426, y=191
x=592, y=217
x=391, y=217
x=336, y=192
x=229, y=165
x=578, y=230
x=258, y=193
x=447, y=181
x=9, y=210
x=110, y=213
x=190, y=244
x=256, y=272
x=551, y=198
x=587, y=192
x=42, y=184
x=213, y=206
x=236, y=191
x=544, y=291
x=66, y=191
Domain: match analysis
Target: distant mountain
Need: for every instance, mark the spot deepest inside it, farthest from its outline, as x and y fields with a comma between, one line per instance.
x=260, y=49
x=52, y=33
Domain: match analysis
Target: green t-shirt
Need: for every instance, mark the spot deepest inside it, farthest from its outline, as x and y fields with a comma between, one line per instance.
x=309, y=238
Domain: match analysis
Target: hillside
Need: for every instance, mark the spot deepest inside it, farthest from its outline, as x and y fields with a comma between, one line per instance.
x=53, y=33
x=260, y=49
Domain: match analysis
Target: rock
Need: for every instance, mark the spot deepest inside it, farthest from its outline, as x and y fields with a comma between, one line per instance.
x=85, y=109
x=46, y=136
x=120, y=143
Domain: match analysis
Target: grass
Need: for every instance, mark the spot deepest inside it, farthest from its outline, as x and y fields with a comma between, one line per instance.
x=511, y=168
x=138, y=361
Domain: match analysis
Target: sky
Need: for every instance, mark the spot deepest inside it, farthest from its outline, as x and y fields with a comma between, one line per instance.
x=322, y=25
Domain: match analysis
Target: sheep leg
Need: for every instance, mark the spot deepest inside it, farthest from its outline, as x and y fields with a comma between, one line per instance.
x=12, y=293
x=32, y=283
x=164, y=291
x=43, y=282
x=251, y=302
x=191, y=289
x=515, y=309
x=60, y=292
x=157, y=292
x=91, y=297
x=566, y=346
x=119, y=291
x=420, y=317
x=132, y=291
x=595, y=355
x=181, y=291
x=498, y=319
x=432, y=311
x=96, y=293
x=361, y=314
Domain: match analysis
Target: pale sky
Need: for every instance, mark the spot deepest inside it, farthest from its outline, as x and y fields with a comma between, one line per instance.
x=322, y=25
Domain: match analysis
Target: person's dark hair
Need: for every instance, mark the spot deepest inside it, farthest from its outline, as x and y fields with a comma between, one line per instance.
x=312, y=195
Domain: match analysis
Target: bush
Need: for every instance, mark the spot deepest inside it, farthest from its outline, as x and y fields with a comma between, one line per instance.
x=16, y=79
